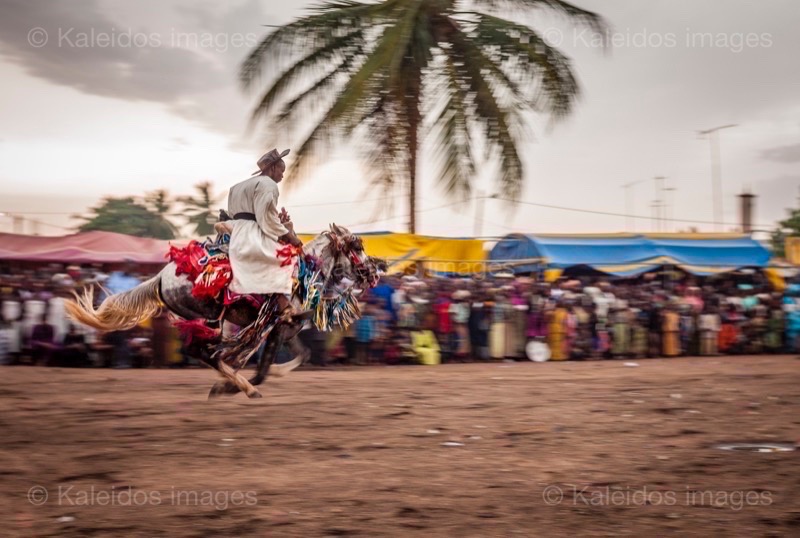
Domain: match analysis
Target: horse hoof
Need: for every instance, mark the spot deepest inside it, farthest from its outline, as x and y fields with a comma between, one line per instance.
x=223, y=387
x=254, y=395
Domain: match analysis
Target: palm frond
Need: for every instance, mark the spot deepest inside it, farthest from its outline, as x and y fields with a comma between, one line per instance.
x=545, y=72
x=300, y=68
x=573, y=13
x=309, y=33
x=452, y=140
x=498, y=122
x=296, y=106
x=381, y=70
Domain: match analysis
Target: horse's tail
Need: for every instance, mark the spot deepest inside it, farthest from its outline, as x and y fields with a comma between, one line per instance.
x=120, y=311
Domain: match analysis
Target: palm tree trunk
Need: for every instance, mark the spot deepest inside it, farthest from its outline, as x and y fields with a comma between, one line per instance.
x=414, y=119
x=412, y=178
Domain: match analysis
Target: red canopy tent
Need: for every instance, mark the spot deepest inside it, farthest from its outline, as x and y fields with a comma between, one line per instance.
x=88, y=247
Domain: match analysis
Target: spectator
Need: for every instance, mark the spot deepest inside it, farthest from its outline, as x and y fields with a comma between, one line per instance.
x=365, y=332
x=671, y=332
x=557, y=331
x=773, y=340
x=497, y=332
x=639, y=339
x=731, y=330
x=6, y=341
x=426, y=347
x=620, y=319
x=74, y=351
x=687, y=329
x=459, y=315
x=42, y=342
x=709, y=327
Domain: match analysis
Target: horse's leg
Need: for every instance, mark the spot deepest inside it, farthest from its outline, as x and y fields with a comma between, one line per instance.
x=267, y=364
x=234, y=381
x=266, y=354
x=266, y=360
x=301, y=355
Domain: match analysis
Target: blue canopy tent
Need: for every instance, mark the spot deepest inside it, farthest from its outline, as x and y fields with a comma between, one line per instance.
x=628, y=255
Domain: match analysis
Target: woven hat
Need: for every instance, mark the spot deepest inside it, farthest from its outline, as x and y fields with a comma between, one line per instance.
x=266, y=160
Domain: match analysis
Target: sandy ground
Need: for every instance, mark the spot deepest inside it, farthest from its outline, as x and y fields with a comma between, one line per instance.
x=551, y=449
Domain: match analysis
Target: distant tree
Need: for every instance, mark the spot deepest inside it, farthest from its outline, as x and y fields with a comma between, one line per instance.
x=127, y=216
x=160, y=203
x=201, y=213
x=786, y=228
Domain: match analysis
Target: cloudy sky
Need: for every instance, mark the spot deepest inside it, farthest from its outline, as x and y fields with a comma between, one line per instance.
x=111, y=97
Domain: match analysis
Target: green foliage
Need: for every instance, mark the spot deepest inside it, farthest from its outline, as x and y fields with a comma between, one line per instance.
x=127, y=216
x=200, y=211
x=789, y=227
x=160, y=203
x=385, y=73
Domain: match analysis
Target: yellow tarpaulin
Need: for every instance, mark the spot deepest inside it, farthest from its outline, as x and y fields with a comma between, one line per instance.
x=439, y=254
x=793, y=250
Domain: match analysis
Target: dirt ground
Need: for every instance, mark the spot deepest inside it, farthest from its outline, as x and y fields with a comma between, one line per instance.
x=552, y=449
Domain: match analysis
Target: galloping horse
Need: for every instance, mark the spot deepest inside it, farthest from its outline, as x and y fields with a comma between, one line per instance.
x=344, y=266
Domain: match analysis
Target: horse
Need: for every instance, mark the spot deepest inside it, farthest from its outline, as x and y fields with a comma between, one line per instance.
x=343, y=267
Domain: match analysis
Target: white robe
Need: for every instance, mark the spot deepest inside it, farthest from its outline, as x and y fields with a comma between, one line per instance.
x=254, y=244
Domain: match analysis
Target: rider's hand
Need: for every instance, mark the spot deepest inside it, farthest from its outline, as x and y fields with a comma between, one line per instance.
x=284, y=216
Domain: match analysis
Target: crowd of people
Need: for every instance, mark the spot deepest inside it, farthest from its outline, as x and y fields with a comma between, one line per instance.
x=430, y=320
x=35, y=329
x=445, y=319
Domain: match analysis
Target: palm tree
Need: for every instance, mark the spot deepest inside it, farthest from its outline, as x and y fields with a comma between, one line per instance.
x=160, y=203
x=126, y=216
x=201, y=213
x=385, y=72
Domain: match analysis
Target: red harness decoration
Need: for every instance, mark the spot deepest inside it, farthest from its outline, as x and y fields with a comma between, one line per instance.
x=210, y=275
x=188, y=259
x=196, y=330
x=215, y=277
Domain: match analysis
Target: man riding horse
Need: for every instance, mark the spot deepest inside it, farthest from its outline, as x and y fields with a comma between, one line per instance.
x=257, y=232
x=263, y=280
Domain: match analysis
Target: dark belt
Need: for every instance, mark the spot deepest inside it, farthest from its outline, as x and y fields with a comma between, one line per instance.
x=244, y=216
x=223, y=216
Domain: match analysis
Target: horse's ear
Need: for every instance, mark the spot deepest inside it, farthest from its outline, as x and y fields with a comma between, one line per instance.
x=379, y=263
x=338, y=231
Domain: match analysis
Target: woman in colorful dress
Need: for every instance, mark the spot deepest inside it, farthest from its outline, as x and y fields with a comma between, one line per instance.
x=671, y=332
x=620, y=346
x=497, y=332
x=557, y=333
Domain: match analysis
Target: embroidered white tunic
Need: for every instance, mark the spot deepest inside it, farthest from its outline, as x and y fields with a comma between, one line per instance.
x=254, y=244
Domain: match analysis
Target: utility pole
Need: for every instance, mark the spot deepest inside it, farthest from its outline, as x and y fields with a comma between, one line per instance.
x=716, y=172
x=630, y=224
x=479, y=201
x=659, y=201
x=669, y=207
x=653, y=215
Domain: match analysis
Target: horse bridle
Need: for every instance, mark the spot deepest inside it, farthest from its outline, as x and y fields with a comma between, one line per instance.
x=349, y=247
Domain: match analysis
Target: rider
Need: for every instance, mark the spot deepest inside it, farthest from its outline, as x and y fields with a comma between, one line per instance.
x=260, y=232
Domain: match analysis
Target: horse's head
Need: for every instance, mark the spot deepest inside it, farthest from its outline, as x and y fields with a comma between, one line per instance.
x=343, y=258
